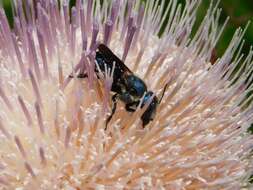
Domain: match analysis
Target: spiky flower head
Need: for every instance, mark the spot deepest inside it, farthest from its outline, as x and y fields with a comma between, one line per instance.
x=53, y=126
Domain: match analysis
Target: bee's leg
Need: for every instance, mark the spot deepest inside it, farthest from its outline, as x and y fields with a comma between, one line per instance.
x=80, y=75
x=129, y=107
x=114, y=106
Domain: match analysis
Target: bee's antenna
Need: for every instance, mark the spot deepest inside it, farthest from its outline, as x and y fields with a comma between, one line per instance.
x=164, y=89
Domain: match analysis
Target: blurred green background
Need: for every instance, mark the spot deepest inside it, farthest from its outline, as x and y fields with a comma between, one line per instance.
x=240, y=12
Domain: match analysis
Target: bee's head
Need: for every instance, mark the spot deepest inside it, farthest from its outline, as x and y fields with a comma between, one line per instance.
x=134, y=89
x=149, y=113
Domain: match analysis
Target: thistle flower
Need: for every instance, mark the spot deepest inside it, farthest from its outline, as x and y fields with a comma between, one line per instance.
x=52, y=126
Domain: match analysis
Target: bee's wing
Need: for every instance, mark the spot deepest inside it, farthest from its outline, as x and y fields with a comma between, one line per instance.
x=111, y=58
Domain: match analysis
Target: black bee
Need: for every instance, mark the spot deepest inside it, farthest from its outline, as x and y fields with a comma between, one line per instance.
x=127, y=87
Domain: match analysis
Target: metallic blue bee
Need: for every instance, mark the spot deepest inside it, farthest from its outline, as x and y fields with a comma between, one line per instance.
x=128, y=88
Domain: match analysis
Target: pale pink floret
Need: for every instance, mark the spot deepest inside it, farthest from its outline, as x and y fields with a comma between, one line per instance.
x=52, y=123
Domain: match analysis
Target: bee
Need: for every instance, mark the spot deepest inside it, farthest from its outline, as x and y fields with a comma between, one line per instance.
x=126, y=86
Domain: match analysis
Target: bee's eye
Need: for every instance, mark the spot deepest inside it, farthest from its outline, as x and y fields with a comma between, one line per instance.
x=133, y=91
x=135, y=85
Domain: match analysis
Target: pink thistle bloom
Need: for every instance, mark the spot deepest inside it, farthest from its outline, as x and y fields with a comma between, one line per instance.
x=52, y=126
